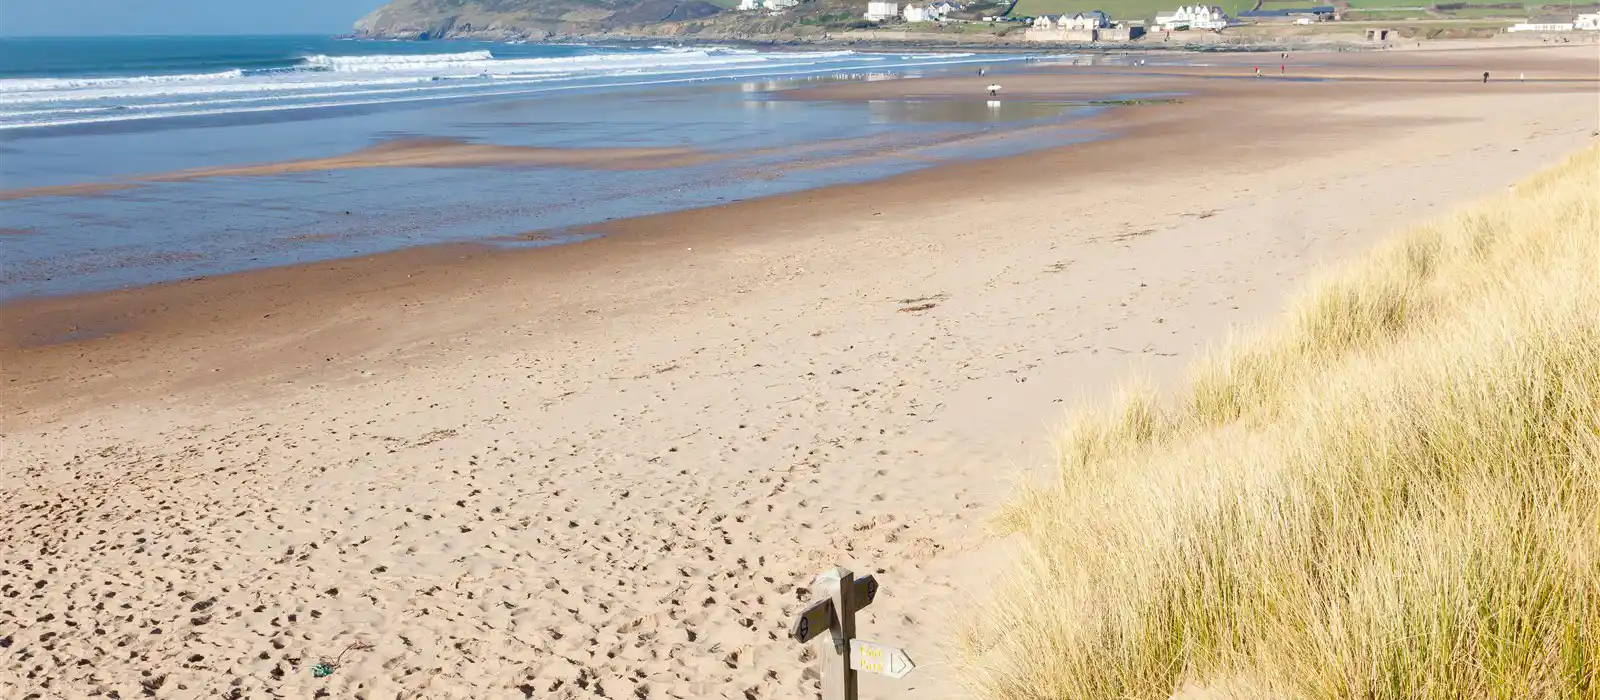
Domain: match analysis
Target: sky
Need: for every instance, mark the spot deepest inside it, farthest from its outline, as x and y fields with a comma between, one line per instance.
x=103, y=17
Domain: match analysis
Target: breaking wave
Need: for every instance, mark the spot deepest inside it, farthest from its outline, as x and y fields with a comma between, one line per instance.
x=394, y=62
x=321, y=80
x=17, y=85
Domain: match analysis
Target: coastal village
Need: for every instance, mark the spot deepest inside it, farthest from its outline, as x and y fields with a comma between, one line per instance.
x=1098, y=25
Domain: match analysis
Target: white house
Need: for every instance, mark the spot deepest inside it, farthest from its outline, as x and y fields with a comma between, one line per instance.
x=925, y=13
x=779, y=5
x=749, y=5
x=1044, y=22
x=1193, y=17
x=879, y=11
x=1587, y=22
x=1084, y=20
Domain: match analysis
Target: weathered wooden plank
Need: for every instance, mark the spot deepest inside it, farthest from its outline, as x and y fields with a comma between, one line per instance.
x=838, y=679
x=866, y=590
x=815, y=619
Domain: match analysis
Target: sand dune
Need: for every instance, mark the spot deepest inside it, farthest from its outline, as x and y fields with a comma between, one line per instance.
x=1435, y=387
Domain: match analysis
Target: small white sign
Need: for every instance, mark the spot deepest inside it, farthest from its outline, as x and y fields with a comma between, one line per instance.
x=871, y=657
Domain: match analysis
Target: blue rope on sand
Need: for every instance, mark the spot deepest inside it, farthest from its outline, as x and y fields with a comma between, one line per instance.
x=325, y=668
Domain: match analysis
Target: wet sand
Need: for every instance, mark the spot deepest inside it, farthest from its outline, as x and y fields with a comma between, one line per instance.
x=612, y=467
x=406, y=153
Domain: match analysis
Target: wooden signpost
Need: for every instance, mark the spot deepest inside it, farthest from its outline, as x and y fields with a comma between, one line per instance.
x=841, y=595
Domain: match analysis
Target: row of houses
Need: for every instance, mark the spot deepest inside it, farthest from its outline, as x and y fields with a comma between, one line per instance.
x=769, y=5
x=1193, y=17
x=1082, y=27
x=912, y=12
x=1205, y=17
x=1096, y=25
x=1185, y=17
x=1589, y=22
x=1213, y=18
x=1078, y=22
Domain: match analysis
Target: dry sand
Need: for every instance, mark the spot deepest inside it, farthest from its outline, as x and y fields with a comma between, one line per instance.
x=610, y=469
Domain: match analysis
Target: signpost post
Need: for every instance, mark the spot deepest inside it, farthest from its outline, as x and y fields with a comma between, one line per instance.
x=838, y=679
x=841, y=595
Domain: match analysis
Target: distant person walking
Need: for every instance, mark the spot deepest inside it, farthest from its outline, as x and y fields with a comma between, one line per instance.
x=994, y=89
x=1282, y=68
x=1258, y=71
x=1486, y=77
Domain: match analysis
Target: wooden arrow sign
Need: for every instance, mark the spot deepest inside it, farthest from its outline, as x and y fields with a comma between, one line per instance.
x=873, y=657
x=818, y=617
x=866, y=590
x=812, y=621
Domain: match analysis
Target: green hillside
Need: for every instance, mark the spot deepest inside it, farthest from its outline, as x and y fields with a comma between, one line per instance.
x=508, y=19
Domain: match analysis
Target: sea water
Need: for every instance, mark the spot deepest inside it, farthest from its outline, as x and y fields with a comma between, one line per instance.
x=46, y=82
x=75, y=111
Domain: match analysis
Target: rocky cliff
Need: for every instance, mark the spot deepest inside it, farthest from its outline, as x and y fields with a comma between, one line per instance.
x=507, y=19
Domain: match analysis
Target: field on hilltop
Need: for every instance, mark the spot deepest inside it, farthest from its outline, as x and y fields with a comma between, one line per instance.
x=1394, y=493
x=1380, y=10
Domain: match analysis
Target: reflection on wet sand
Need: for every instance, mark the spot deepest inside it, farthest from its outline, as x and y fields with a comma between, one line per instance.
x=966, y=111
x=408, y=153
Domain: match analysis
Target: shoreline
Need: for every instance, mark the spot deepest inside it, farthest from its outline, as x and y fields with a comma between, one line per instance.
x=1027, y=83
x=27, y=312
x=32, y=328
x=613, y=467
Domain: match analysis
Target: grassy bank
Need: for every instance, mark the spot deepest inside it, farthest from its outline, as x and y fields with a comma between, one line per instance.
x=1394, y=492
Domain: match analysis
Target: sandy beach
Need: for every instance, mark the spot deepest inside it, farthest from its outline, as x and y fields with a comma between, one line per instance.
x=611, y=469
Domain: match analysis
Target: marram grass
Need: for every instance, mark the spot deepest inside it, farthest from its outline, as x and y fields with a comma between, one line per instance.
x=1393, y=493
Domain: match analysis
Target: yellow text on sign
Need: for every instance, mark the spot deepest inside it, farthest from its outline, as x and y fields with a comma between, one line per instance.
x=871, y=657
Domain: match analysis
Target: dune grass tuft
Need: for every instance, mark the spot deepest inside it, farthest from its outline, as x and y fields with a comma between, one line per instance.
x=1393, y=493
